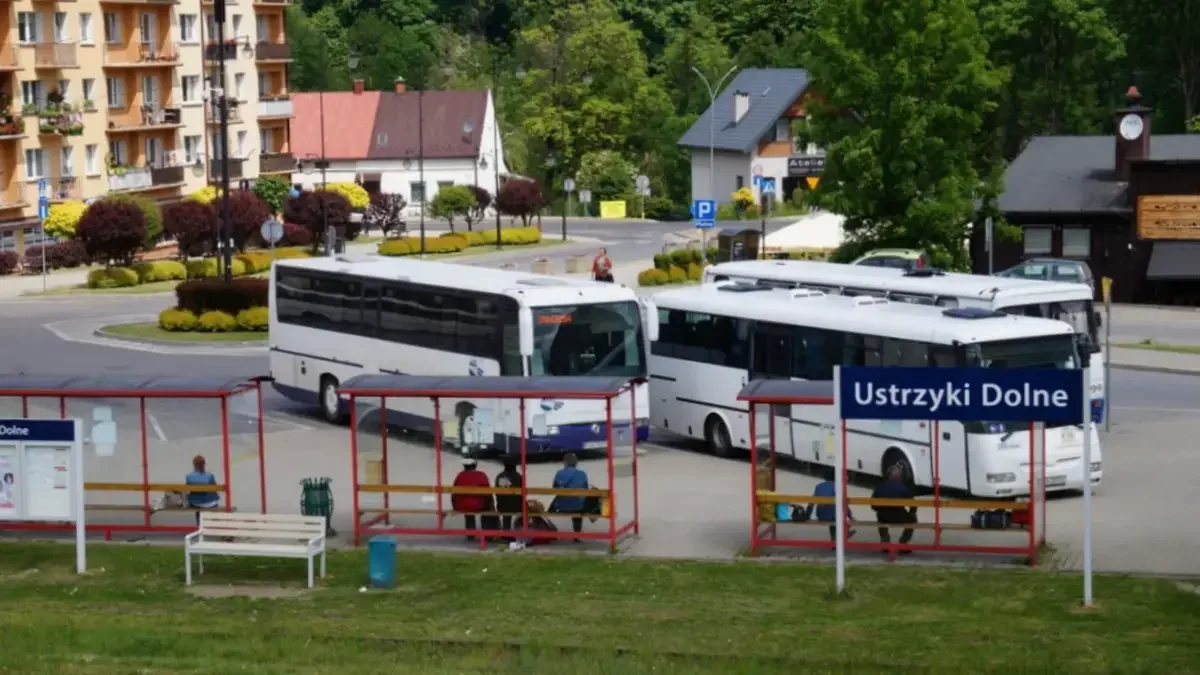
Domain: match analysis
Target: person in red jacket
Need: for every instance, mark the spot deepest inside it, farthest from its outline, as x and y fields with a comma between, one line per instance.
x=469, y=505
x=602, y=267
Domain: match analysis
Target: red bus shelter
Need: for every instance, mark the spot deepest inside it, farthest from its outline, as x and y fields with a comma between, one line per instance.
x=65, y=389
x=382, y=387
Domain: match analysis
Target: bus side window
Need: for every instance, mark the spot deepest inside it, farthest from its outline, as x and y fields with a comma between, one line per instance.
x=911, y=299
x=814, y=351
x=947, y=302
x=942, y=356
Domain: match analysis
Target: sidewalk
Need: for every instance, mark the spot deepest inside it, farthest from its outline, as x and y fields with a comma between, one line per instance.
x=1148, y=360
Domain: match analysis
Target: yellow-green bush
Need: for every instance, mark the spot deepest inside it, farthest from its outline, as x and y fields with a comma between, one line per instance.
x=677, y=275
x=62, y=219
x=443, y=245
x=160, y=270
x=353, y=192
x=474, y=238
x=216, y=322
x=695, y=272
x=209, y=268
x=458, y=239
x=648, y=277
x=513, y=236
x=255, y=318
x=176, y=319
x=395, y=247
x=290, y=252
x=255, y=261
x=113, y=277
x=808, y=254
x=206, y=195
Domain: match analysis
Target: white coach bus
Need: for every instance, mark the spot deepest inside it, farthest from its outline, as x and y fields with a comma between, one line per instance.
x=1064, y=301
x=714, y=339
x=334, y=318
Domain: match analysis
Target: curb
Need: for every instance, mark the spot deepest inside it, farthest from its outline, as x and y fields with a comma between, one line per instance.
x=100, y=332
x=1154, y=369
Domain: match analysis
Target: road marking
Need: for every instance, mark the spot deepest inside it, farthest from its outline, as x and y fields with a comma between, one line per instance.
x=158, y=430
x=60, y=328
x=1154, y=409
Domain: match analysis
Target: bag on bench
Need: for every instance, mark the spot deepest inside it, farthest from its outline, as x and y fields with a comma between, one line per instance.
x=998, y=519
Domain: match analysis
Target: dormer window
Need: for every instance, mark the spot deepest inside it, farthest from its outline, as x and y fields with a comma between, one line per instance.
x=783, y=130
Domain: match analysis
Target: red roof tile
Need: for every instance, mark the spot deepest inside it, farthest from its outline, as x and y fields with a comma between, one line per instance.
x=349, y=118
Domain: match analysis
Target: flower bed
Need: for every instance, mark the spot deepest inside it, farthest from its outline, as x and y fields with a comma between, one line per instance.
x=454, y=242
x=178, y=320
x=248, y=263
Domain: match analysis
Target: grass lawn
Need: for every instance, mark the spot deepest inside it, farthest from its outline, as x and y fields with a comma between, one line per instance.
x=153, y=332
x=527, y=614
x=1153, y=346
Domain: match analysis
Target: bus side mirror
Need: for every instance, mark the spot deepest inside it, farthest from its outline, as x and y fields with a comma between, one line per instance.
x=649, y=318
x=525, y=315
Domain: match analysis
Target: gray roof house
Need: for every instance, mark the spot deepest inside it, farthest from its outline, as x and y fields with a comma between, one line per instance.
x=749, y=131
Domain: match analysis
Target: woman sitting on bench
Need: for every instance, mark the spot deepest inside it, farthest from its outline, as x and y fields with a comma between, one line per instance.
x=198, y=476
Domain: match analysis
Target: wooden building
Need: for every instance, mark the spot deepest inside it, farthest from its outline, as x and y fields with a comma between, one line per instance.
x=1127, y=204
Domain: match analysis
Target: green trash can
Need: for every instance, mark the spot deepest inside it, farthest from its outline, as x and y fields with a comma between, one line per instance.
x=316, y=499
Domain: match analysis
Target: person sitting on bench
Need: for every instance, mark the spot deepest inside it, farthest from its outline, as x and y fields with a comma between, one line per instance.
x=199, y=476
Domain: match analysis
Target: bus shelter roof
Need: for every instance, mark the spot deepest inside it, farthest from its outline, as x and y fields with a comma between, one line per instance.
x=794, y=392
x=122, y=386
x=422, y=386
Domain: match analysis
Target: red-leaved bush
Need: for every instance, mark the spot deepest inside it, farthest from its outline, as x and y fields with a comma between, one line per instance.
x=205, y=295
x=295, y=235
x=192, y=224
x=521, y=198
x=8, y=262
x=112, y=231
x=62, y=254
x=247, y=213
x=316, y=209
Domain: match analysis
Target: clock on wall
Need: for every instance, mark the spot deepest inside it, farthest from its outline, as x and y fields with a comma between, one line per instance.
x=1131, y=127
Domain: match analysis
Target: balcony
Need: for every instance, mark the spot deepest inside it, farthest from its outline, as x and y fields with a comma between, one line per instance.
x=140, y=2
x=55, y=55
x=130, y=179
x=213, y=51
x=148, y=119
x=276, y=162
x=61, y=189
x=235, y=169
x=60, y=121
x=272, y=3
x=13, y=198
x=275, y=106
x=167, y=175
x=266, y=52
x=8, y=59
x=142, y=55
x=11, y=127
x=232, y=112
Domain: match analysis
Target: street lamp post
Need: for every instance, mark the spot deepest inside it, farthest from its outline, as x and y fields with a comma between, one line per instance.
x=223, y=121
x=712, y=144
x=421, y=161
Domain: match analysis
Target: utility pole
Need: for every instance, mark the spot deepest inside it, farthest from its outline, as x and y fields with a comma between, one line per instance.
x=223, y=111
x=712, y=144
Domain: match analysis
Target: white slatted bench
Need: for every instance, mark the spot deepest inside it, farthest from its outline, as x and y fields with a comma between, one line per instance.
x=256, y=535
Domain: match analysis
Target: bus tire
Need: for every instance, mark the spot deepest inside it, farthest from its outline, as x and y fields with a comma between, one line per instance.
x=331, y=408
x=716, y=435
x=896, y=457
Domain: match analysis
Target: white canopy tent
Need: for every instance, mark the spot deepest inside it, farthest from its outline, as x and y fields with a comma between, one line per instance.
x=817, y=230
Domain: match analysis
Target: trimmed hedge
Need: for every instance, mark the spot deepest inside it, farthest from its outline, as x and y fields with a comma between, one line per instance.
x=113, y=277
x=159, y=270
x=63, y=254
x=182, y=320
x=653, y=277
x=210, y=268
x=254, y=261
x=203, y=295
x=453, y=242
x=255, y=318
x=216, y=322
x=175, y=319
x=290, y=252
x=8, y=262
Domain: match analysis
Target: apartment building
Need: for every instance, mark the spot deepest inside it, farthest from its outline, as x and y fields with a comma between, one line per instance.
x=104, y=96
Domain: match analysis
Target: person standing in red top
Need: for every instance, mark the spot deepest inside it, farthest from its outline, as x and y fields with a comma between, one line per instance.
x=602, y=267
x=469, y=505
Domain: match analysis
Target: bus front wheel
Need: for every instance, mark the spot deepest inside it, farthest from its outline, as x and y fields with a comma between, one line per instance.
x=331, y=403
x=716, y=434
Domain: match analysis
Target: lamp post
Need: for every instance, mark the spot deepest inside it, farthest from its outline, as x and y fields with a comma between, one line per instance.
x=712, y=142
x=322, y=163
x=421, y=161
x=223, y=121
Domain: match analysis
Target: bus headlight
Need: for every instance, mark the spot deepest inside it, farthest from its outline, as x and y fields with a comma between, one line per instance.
x=1001, y=477
x=1095, y=467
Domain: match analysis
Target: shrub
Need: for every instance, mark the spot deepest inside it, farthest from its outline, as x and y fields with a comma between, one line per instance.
x=452, y=202
x=273, y=190
x=63, y=218
x=31, y=262
x=356, y=196
x=676, y=275
x=661, y=278
x=8, y=262
x=150, y=212
x=67, y=254
x=216, y=322
x=112, y=230
x=395, y=247
x=175, y=319
x=444, y=245
x=112, y=277
x=205, y=195
x=313, y=210
x=159, y=270
x=695, y=272
x=290, y=252
x=681, y=257
x=474, y=239
x=648, y=277
x=255, y=318
x=521, y=198
x=476, y=213
x=193, y=225
x=255, y=261
x=512, y=236
x=458, y=239
x=712, y=254
x=385, y=213
x=210, y=268
x=662, y=261
x=203, y=295
x=247, y=213
x=295, y=235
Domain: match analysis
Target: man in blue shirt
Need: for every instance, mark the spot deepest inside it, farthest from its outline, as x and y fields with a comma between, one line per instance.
x=198, y=476
x=824, y=512
x=570, y=477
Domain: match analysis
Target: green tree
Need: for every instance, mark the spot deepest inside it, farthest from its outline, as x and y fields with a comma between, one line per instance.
x=607, y=174
x=452, y=202
x=905, y=92
x=1164, y=44
x=696, y=45
x=387, y=50
x=273, y=190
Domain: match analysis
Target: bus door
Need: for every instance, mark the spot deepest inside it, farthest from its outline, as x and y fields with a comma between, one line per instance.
x=771, y=359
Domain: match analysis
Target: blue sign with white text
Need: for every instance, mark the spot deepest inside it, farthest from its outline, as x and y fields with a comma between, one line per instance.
x=37, y=431
x=705, y=213
x=962, y=394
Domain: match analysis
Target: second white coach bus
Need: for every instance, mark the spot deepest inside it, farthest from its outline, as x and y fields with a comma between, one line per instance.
x=1064, y=301
x=714, y=339
x=334, y=318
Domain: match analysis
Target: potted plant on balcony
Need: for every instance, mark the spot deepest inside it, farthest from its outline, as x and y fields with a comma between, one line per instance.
x=75, y=129
x=89, y=105
x=54, y=104
x=29, y=109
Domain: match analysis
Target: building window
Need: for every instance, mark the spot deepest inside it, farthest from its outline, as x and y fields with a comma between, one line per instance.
x=29, y=28
x=61, y=32
x=416, y=192
x=35, y=163
x=239, y=86
x=118, y=152
x=32, y=93
x=187, y=28
x=740, y=183
x=266, y=141
x=66, y=166
x=264, y=84
x=783, y=129
x=85, y=28
x=237, y=26
x=240, y=148
x=64, y=88
x=191, y=148
x=1038, y=240
x=91, y=157
x=191, y=88
x=116, y=92
x=89, y=89
x=262, y=26
x=1076, y=242
x=112, y=28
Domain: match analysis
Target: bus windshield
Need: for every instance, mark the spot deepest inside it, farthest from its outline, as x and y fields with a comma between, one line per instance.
x=1078, y=313
x=601, y=339
x=1056, y=351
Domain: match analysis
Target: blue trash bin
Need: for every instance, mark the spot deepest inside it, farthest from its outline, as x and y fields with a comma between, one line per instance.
x=381, y=562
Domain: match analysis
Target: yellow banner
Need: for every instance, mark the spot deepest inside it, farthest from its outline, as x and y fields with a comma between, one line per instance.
x=1106, y=284
x=612, y=209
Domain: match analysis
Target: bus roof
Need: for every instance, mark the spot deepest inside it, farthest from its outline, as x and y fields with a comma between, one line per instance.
x=534, y=289
x=864, y=315
x=1003, y=291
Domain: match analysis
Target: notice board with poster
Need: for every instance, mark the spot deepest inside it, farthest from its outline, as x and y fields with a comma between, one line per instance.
x=41, y=470
x=1168, y=217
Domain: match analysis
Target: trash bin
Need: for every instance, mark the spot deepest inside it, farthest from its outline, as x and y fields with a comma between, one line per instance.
x=381, y=562
x=316, y=499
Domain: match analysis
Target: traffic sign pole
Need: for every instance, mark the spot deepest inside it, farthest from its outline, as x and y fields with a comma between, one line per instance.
x=839, y=475
x=1087, y=489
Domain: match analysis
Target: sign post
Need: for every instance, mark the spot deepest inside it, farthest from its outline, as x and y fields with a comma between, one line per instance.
x=705, y=213
x=41, y=475
x=964, y=395
x=272, y=232
x=585, y=198
x=643, y=189
x=1106, y=285
x=43, y=214
x=568, y=187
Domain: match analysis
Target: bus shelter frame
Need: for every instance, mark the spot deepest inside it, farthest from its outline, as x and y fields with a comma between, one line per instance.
x=387, y=386
x=764, y=532
x=142, y=389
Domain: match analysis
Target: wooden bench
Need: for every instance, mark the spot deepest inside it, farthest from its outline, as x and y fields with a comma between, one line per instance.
x=256, y=535
x=491, y=491
x=151, y=487
x=766, y=497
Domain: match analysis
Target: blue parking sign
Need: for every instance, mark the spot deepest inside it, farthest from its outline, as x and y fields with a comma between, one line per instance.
x=43, y=208
x=705, y=213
